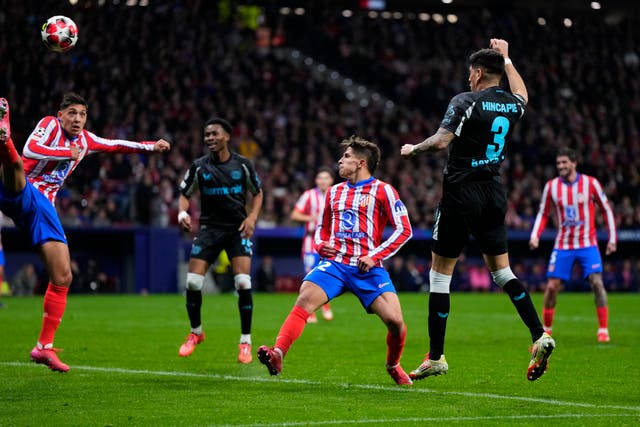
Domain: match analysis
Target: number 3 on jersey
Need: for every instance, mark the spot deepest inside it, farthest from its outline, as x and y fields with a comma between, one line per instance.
x=499, y=128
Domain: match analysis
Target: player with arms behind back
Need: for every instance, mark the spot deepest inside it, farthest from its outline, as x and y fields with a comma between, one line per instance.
x=572, y=196
x=308, y=210
x=349, y=240
x=223, y=181
x=476, y=129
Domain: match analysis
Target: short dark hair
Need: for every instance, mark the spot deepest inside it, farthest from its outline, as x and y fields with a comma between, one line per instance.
x=71, y=98
x=220, y=121
x=367, y=149
x=490, y=60
x=569, y=152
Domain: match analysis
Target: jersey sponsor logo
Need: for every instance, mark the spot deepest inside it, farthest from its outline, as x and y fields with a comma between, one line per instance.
x=223, y=191
x=484, y=161
x=351, y=234
x=347, y=220
x=572, y=217
x=236, y=174
x=58, y=175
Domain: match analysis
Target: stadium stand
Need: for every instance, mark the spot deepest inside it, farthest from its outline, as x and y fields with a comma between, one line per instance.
x=274, y=74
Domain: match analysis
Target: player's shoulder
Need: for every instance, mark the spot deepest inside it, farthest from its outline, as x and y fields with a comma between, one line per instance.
x=200, y=161
x=47, y=121
x=464, y=98
x=237, y=157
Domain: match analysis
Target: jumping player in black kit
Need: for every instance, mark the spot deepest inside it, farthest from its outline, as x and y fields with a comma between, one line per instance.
x=223, y=180
x=476, y=129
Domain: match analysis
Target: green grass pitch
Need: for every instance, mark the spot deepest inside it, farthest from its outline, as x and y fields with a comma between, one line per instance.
x=125, y=368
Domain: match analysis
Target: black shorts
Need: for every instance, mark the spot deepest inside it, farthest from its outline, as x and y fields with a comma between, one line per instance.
x=475, y=208
x=209, y=242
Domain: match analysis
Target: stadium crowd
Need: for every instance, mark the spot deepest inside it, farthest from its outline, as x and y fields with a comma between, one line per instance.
x=184, y=61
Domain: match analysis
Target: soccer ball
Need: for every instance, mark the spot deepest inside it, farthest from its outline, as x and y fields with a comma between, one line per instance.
x=59, y=33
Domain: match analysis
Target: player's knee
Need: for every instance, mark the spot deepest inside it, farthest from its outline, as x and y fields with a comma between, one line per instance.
x=503, y=276
x=439, y=283
x=62, y=277
x=195, y=281
x=553, y=286
x=395, y=324
x=242, y=281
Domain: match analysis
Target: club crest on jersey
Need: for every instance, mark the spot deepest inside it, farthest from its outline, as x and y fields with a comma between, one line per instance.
x=365, y=199
x=236, y=174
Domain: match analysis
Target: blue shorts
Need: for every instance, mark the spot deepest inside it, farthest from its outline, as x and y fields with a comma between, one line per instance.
x=562, y=260
x=33, y=213
x=310, y=260
x=336, y=278
x=1, y=257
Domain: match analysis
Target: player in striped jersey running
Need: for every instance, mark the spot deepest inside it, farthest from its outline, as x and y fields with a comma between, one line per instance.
x=308, y=210
x=572, y=196
x=349, y=240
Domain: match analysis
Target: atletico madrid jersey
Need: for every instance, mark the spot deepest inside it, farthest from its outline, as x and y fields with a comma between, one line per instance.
x=354, y=219
x=47, y=154
x=311, y=203
x=574, y=206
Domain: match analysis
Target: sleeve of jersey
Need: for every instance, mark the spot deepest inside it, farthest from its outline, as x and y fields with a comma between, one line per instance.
x=302, y=204
x=38, y=145
x=603, y=203
x=189, y=182
x=543, y=212
x=323, y=231
x=97, y=144
x=254, y=185
x=398, y=218
x=453, y=115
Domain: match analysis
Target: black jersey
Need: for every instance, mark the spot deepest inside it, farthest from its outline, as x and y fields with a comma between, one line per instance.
x=482, y=123
x=223, y=189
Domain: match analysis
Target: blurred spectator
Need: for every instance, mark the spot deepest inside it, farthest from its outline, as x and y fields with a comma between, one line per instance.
x=25, y=281
x=266, y=274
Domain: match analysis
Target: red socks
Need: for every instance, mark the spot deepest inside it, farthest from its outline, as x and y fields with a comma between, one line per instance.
x=291, y=329
x=547, y=317
x=8, y=153
x=395, y=345
x=603, y=317
x=55, y=302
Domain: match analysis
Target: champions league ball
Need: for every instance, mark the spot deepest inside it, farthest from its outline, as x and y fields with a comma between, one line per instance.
x=59, y=33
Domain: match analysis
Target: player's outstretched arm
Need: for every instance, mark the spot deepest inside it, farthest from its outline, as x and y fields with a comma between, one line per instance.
x=516, y=83
x=161, y=145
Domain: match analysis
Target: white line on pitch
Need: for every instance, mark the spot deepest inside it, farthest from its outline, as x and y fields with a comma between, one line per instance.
x=345, y=385
x=427, y=419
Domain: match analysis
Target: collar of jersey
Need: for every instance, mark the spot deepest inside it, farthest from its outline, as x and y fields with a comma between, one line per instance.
x=360, y=183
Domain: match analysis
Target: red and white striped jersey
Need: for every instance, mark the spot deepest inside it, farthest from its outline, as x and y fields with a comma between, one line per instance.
x=311, y=203
x=354, y=219
x=47, y=154
x=575, y=211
